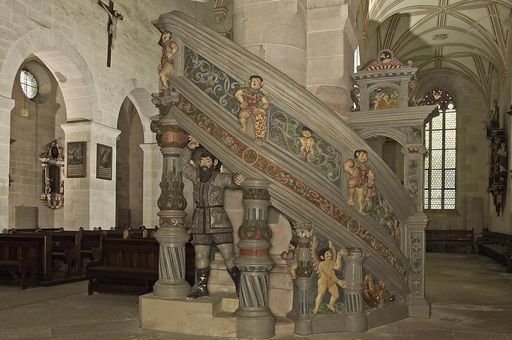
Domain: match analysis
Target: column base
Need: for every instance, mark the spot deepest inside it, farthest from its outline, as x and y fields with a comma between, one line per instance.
x=303, y=327
x=419, y=308
x=171, y=289
x=356, y=323
x=259, y=324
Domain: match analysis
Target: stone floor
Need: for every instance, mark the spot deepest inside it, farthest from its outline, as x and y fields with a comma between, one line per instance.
x=471, y=299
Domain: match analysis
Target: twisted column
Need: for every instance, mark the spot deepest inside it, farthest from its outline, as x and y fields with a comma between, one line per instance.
x=356, y=319
x=172, y=234
x=254, y=318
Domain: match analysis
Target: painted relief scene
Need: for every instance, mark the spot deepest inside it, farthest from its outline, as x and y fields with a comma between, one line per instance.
x=383, y=98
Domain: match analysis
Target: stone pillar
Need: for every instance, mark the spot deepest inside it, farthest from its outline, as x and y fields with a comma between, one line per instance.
x=151, y=180
x=414, y=155
x=415, y=252
x=254, y=318
x=356, y=318
x=303, y=321
x=332, y=39
x=275, y=31
x=172, y=234
x=6, y=105
x=89, y=201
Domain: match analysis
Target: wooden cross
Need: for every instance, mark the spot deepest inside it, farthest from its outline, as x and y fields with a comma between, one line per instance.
x=113, y=18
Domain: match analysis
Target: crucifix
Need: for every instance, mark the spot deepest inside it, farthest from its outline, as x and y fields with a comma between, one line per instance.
x=113, y=18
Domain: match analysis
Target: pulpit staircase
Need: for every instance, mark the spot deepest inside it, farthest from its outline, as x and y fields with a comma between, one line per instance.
x=207, y=71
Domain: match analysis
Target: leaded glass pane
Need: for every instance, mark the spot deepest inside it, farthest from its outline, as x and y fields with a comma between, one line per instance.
x=427, y=139
x=28, y=84
x=435, y=203
x=437, y=139
x=436, y=181
x=450, y=138
x=437, y=122
x=425, y=199
x=449, y=194
x=449, y=203
x=449, y=179
x=437, y=159
x=449, y=158
x=425, y=182
x=451, y=120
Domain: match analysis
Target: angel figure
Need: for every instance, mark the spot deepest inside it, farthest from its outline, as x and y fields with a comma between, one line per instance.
x=307, y=142
x=290, y=256
x=166, y=67
x=325, y=262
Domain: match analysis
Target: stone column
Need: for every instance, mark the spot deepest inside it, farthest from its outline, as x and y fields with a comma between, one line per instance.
x=414, y=157
x=6, y=105
x=282, y=40
x=332, y=39
x=151, y=189
x=89, y=201
x=303, y=321
x=356, y=318
x=415, y=252
x=254, y=318
x=172, y=234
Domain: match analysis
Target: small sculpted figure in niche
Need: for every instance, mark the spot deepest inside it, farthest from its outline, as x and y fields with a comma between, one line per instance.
x=307, y=142
x=290, y=257
x=373, y=294
x=166, y=67
x=326, y=261
x=254, y=105
x=210, y=223
x=355, y=95
x=362, y=179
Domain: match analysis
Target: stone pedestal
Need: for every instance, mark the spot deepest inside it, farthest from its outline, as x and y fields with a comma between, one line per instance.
x=6, y=105
x=415, y=252
x=254, y=318
x=90, y=201
x=356, y=318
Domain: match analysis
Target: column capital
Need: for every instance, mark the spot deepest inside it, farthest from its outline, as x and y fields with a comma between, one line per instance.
x=411, y=149
x=91, y=127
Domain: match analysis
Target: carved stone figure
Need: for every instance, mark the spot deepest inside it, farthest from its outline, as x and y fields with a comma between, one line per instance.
x=307, y=142
x=291, y=259
x=355, y=95
x=254, y=105
x=373, y=294
x=326, y=261
x=166, y=67
x=361, y=181
x=210, y=223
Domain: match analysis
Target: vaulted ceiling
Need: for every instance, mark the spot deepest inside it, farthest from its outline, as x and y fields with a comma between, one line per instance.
x=471, y=37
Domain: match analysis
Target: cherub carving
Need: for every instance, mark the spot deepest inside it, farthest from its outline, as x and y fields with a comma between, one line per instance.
x=373, y=294
x=326, y=261
x=253, y=105
x=361, y=181
x=166, y=67
x=290, y=257
x=307, y=142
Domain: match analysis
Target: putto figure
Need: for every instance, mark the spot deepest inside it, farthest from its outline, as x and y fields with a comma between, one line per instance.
x=326, y=261
x=307, y=142
x=254, y=105
x=210, y=223
x=166, y=67
x=361, y=181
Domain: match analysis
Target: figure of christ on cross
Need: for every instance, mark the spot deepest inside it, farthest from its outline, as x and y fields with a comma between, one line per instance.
x=113, y=18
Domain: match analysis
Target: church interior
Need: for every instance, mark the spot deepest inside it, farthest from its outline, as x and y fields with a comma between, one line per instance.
x=196, y=169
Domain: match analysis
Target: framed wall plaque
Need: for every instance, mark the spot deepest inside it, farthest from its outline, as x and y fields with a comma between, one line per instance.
x=104, y=162
x=76, y=158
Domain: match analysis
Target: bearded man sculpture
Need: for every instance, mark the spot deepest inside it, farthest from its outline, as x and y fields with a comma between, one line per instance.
x=210, y=224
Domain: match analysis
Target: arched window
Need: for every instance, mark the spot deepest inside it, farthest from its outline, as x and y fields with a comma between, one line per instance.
x=440, y=141
x=357, y=59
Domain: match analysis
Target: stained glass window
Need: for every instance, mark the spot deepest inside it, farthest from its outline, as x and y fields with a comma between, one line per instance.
x=441, y=142
x=28, y=84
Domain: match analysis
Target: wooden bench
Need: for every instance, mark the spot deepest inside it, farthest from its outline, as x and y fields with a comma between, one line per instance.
x=127, y=264
x=450, y=241
x=497, y=246
x=23, y=258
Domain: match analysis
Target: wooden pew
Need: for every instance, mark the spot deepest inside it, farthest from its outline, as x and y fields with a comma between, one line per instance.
x=127, y=264
x=497, y=246
x=450, y=241
x=25, y=257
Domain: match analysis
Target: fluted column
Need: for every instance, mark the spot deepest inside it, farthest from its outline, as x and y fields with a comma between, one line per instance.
x=254, y=318
x=172, y=234
x=303, y=321
x=356, y=319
